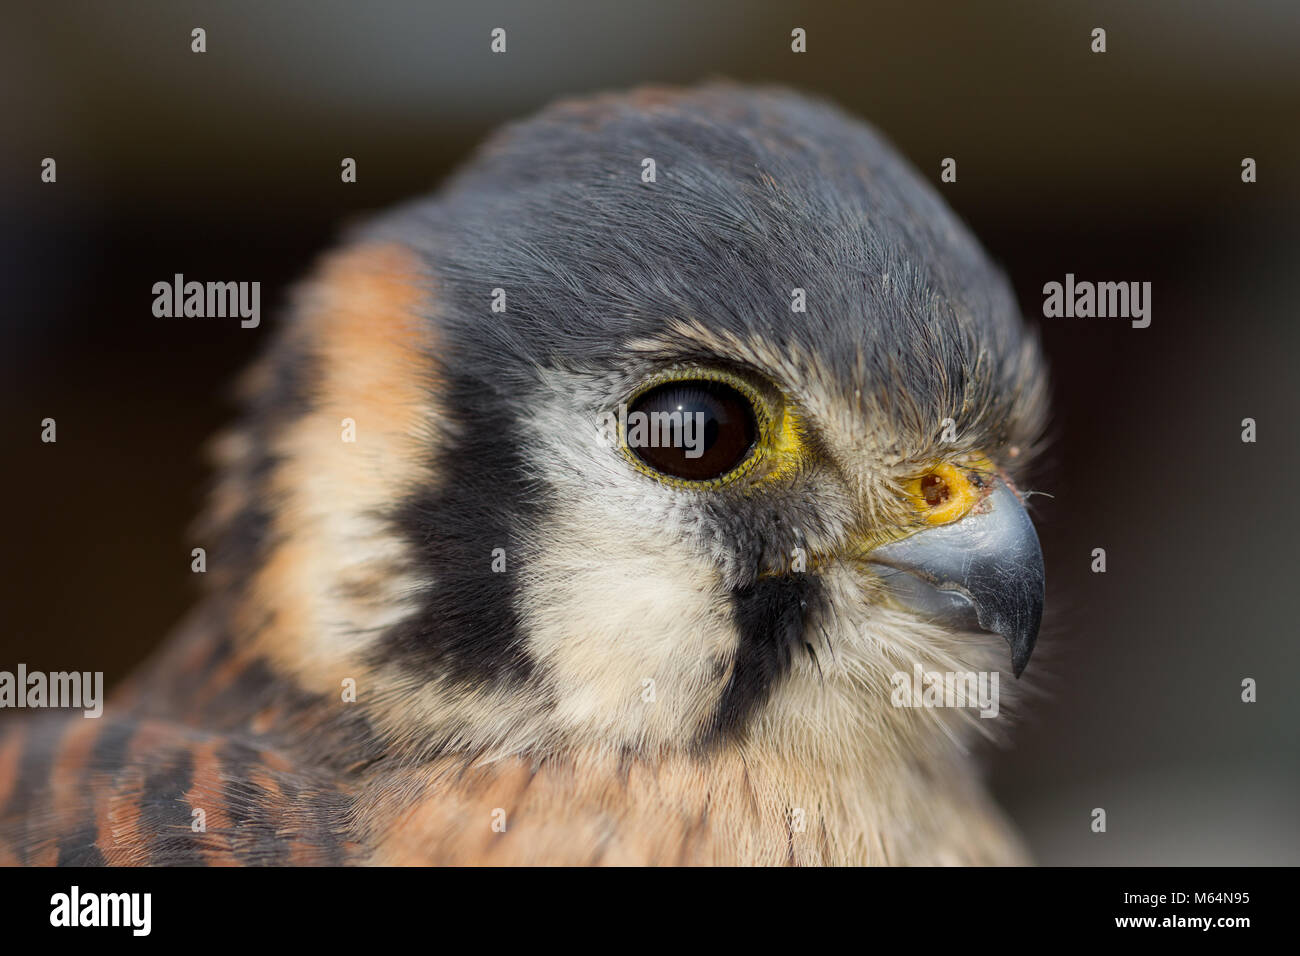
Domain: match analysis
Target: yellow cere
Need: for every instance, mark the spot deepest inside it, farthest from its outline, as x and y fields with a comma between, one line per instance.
x=947, y=492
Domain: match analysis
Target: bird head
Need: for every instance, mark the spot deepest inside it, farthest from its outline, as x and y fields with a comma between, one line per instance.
x=645, y=462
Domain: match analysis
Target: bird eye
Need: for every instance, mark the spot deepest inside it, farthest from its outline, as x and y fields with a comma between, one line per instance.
x=692, y=430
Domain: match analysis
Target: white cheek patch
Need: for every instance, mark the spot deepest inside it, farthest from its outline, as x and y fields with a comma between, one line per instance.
x=627, y=621
x=634, y=640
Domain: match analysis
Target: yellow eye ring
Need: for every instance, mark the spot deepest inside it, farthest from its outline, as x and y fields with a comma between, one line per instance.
x=775, y=435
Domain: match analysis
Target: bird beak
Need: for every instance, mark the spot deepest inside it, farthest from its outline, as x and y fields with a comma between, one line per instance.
x=984, y=569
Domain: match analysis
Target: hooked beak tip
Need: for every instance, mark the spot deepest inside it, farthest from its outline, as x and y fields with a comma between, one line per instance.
x=985, y=569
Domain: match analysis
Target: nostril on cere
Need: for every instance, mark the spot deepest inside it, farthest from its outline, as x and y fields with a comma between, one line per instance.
x=935, y=490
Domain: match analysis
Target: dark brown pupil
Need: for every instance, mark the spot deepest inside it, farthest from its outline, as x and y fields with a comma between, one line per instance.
x=696, y=431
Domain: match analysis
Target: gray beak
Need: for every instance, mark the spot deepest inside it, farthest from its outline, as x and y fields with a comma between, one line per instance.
x=984, y=570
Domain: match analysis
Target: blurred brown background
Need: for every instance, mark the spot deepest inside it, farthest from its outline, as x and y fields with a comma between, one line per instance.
x=1122, y=166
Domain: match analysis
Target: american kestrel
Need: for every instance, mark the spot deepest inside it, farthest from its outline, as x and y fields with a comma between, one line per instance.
x=464, y=605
